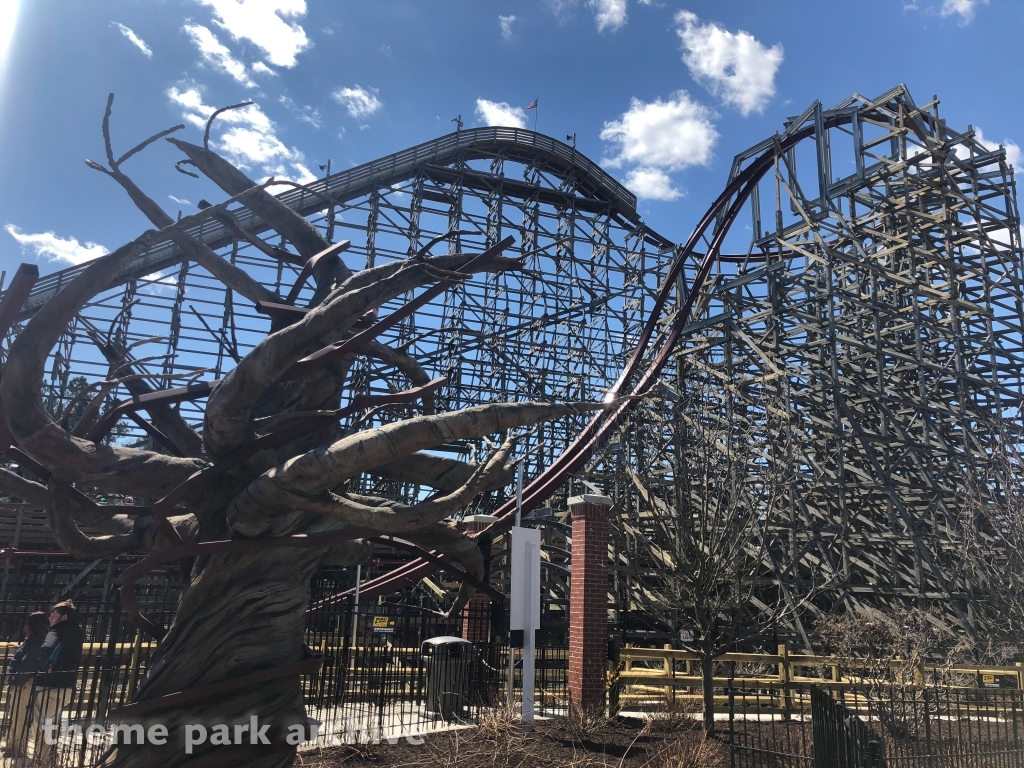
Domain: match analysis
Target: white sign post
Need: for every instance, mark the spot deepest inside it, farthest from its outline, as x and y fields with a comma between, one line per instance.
x=524, y=608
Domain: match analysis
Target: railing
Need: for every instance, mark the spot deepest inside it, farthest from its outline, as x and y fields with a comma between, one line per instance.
x=519, y=143
x=871, y=726
x=374, y=683
x=658, y=678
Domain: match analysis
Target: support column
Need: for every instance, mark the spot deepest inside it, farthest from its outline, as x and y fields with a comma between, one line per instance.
x=588, y=603
x=476, y=616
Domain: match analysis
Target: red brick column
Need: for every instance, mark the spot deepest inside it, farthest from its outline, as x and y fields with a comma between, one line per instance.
x=588, y=603
x=476, y=616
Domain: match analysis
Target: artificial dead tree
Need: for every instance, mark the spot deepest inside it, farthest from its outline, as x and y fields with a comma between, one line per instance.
x=253, y=505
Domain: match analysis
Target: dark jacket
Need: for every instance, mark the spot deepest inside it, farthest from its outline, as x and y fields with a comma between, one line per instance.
x=25, y=662
x=61, y=654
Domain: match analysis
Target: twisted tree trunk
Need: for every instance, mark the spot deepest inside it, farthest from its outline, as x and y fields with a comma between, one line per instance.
x=241, y=615
x=268, y=476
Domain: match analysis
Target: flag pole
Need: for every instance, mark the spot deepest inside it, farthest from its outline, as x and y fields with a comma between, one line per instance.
x=536, y=113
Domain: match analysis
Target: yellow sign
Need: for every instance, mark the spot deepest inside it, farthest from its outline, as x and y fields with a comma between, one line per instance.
x=380, y=621
x=988, y=678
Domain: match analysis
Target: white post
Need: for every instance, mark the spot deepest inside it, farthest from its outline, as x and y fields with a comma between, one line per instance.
x=519, y=491
x=524, y=606
x=515, y=524
x=355, y=609
x=532, y=594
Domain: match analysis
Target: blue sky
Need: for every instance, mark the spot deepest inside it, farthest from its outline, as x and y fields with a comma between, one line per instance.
x=663, y=92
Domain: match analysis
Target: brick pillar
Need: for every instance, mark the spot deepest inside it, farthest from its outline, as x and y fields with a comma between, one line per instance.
x=476, y=616
x=588, y=603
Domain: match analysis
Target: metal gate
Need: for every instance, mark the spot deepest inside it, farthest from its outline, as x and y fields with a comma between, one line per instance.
x=840, y=738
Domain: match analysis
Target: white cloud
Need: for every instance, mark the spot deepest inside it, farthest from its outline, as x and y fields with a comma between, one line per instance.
x=562, y=9
x=965, y=9
x=179, y=201
x=262, y=22
x=135, y=40
x=732, y=65
x=669, y=134
x=66, y=250
x=249, y=141
x=506, y=25
x=159, y=282
x=1013, y=154
x=1013, y=151
x=260, y=68
x=359, y=101
x=217, y=54
x=500, y=113
x=609, y=14
x=305, y=114
x=659, y=137
x=652, y=184
x=301, y=174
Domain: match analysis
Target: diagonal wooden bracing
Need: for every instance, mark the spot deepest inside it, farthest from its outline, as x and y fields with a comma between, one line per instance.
x=876, y=307
x=863, y=300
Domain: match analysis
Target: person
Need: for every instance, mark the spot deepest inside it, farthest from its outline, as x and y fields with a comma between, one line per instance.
x=59, y=658
x=22, y=669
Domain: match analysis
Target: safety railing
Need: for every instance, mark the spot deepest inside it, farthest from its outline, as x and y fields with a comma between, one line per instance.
x=516, y=142
x=656, y=678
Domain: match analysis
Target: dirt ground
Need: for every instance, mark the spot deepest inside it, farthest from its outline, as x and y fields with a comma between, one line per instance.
x=562, y=743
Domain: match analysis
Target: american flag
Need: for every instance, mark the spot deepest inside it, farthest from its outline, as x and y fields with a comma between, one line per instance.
x=533, y=104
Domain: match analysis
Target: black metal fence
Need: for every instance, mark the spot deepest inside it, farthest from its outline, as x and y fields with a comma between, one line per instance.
x=870, y=726
x=378, y=681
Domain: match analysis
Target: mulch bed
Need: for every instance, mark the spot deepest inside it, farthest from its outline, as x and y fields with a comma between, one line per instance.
x=619, y=743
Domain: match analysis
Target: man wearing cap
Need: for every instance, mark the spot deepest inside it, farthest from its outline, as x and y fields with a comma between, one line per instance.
x=60, y=656
x=24, y=664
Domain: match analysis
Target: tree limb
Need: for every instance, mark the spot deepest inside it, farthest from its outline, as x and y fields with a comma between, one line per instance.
x=400, y=518
x=457, y=546
x=438, y=472
x=302, y=234
x=215, y=115
x=294, y=484
x=165, y=418
x=69, y=458
x=404, y=362
x=30, y=492
x=229, y=409
x=233, y=277
x=140, y=534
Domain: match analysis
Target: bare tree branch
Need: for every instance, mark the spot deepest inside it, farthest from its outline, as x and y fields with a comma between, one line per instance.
x=297, y=483
x=229, y=408
x=438, y=472
x=400, y=518
x=140, y=534
x=69, y=458
x=209, y=123
x=30, y=492
x=457, y=546
x=404, y=362
x=227, y=273
x=306, y=239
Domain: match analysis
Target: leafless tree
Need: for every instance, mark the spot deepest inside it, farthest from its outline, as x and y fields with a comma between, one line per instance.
x=720, y=514
x=242, y=608
x=989, y=541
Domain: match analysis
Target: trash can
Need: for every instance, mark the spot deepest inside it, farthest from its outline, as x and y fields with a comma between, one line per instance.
x=447, y=661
